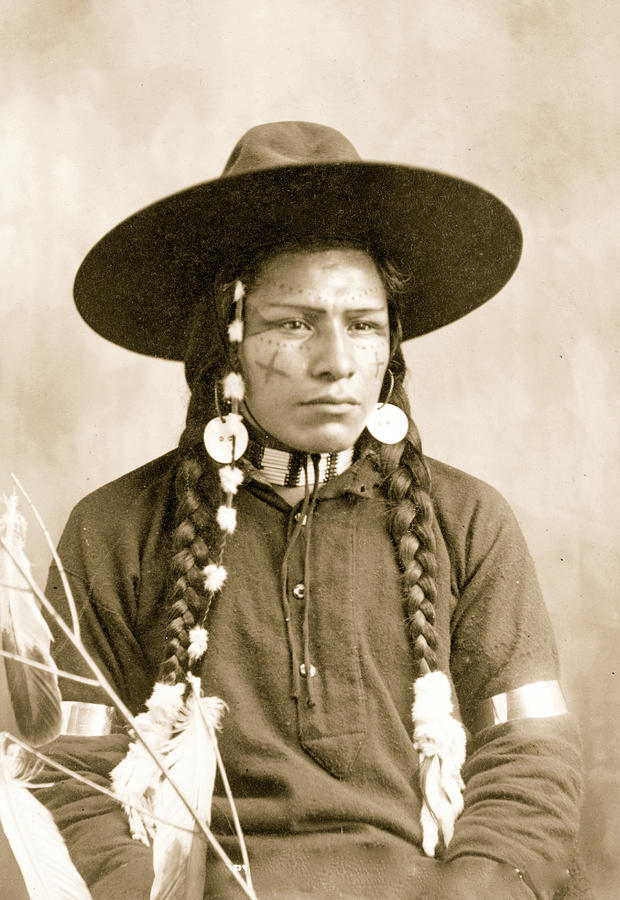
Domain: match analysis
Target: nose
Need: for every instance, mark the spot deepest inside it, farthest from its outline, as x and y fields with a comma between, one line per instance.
x=333, y=354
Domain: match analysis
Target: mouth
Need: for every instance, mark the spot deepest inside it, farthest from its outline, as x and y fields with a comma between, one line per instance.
x=332, y=408
x=332, y=402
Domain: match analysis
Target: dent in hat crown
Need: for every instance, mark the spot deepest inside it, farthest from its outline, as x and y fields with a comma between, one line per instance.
x=288, y=144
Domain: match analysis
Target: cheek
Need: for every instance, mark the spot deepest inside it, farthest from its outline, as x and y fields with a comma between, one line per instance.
x=266, y=360
x=372, y=358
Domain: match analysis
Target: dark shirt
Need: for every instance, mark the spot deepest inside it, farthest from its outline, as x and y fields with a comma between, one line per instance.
x=316, y=782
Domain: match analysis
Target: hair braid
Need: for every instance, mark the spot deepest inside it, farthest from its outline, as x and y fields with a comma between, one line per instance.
x=196, y=539
x=438, y=737
x=410, y=523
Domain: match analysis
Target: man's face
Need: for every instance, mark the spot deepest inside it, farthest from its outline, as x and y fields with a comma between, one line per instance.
x=316, y=347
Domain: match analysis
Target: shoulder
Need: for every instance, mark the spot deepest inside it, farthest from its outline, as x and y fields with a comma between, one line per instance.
x=459, y=496
x=473, y=517
x=132, y=497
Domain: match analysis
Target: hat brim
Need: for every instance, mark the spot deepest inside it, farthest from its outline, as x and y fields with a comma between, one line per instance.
x=458, y=244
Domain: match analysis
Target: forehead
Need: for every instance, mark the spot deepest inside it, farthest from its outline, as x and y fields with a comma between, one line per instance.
x=322, y=279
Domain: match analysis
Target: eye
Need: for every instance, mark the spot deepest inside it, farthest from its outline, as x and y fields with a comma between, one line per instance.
x=365, y=327
x=294, y=325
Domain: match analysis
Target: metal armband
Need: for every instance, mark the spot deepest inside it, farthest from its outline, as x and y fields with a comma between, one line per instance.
x=538, y=700
x=87, y=719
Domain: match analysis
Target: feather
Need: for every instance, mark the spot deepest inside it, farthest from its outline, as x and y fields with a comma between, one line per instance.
x=440, y=742
x=33, y=692
x=36, y=843
x=179, y=856
x=136, y=779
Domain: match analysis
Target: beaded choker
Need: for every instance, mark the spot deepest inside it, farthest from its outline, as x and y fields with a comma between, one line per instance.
x=289, y=469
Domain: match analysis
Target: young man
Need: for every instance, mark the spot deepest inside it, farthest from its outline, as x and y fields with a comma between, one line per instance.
x=299, y=533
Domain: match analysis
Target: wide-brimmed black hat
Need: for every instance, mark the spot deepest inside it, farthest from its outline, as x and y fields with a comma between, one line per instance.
x=297, y=181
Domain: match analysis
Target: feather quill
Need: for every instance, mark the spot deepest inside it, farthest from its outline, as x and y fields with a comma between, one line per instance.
x=33, y=692
x=179, y=856
x=36, y=843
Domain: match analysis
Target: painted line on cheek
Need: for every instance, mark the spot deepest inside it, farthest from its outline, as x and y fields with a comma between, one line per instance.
x=380, y=363
x=271, y=369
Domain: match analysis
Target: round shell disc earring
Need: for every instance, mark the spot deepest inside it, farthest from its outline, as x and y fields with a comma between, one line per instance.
x=226, y=439
x=388, y=423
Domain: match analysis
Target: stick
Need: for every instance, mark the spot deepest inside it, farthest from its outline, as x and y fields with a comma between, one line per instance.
x=50, y=543
x=229, y=794
x=126, y=714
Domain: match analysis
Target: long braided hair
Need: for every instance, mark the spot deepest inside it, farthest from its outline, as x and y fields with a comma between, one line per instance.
x=407, y=488
x=198, y=542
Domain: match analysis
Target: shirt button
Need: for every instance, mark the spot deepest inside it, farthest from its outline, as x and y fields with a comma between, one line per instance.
x=299, y=591
x=302, y=670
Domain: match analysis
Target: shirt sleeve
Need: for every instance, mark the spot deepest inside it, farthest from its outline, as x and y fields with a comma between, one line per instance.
x=102, y=565
x=102, y=568
x=523, y=778
x=93, y=825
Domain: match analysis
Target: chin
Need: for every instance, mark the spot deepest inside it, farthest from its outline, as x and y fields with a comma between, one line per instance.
x=330, y=439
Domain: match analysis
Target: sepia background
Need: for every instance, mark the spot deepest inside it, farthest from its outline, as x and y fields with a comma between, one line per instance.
x=107, y=105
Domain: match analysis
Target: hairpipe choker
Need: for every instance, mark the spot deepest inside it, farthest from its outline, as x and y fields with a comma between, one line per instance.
x=294, y=469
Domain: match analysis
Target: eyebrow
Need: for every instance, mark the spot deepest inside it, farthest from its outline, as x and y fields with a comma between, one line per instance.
x=299, y=307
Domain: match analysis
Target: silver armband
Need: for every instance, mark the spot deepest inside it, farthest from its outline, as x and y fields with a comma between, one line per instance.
x=87, y=719
x=538, y=700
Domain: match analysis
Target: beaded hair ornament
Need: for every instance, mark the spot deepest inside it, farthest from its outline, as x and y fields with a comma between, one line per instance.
x=438, y=737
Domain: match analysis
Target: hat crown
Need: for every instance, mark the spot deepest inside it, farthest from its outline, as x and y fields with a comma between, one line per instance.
x=288, y=144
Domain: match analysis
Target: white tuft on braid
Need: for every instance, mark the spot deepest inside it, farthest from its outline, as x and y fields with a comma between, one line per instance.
x=230, y=479
x=232, y=386
x=214, y=577
x=164, y=702
x=235, y=331
x=227, y=518
x=198, y=641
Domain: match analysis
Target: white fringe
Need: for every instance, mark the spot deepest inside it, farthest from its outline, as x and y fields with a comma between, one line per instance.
x=239, y=290
x=440, y=742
